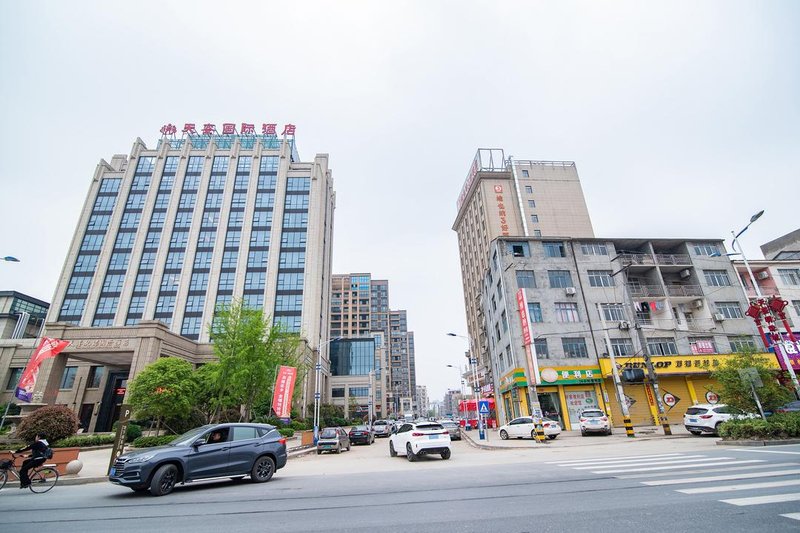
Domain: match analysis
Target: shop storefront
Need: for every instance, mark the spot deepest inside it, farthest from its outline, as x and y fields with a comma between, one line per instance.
x=683, y=381
x=563, y=394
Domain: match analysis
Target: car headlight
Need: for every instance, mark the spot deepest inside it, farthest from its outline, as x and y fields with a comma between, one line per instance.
x=140, y=458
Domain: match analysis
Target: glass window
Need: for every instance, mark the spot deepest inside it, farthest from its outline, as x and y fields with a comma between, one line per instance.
x=85, y=263
x=296, y=201
x=295, y=220
x=259, y=238
x=532, y=204
x=179, y=239
x=567, y=312
x=202, y=260
x=191, y=325
x=199, y=281
x=262, y=218
x=244, y=432
x=525, y=279
x=292, y=260
x=195, y=303
x=266, y=182
x=187, y=201
x=594, y=248
x=214, y=200
x=195, y=163
x=130, y=220
x=661, y=346
x=147, y=261
x=622, y=347
x=140, y=182
x=789, y=276
x=232, y=238
x=742, y=344
x=554, y=249
x=104, y=203
x=537, y=233
x=107, y=305
x=142, y=283
x=253, y=301
x=223, y=301
x=110, y=185
x=600, y=278
x=68, y=377
x=268, y=163
x=729, y=309
x=230, y=258
x=528, y=189
x=535, y=312
x=79, y=285
x=519, y=249
x=255, y=280
x=266, y=199
x=170, y=282
x=206, y=238
x=210, y=219
x=542, y=350
x=113, y=282
x=226, y=280
x=293, y=239
x=135, y=201
x=137, y=304
x=239, y=199
x=171, y=163
x=73, y=306
x=706, y=248
x=175, y=260
x=290, y=281
x=157, y=220
x=119, y=261
x=145, y=165
x=298, y=184
x=152, y=239
x=220, y=164
x=217, y=182
x=703, y=345
x=165, y=185
x=95, y=377
x=559, y=279
x=574, y=347
x=613, y=312
x=183, y=219
x=717, y=278
x=258, y=259
x=289, y=302
x=124, y=240
x=165, y=304
x=191, y=183
x=92, y=242
x=98, y=222
x=240, y=182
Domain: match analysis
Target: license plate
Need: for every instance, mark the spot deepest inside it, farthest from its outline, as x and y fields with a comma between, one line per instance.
x=693, y=420
x=113, y=471
x=594, y=421
x=433, y=437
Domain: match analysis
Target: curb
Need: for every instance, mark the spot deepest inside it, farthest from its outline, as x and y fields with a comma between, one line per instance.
x=784, y=442
x=534, y=446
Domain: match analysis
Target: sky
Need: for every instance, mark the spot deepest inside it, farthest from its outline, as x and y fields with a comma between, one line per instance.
x=683, y=119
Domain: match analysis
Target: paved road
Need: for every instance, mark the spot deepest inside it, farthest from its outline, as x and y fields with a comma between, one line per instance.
x=670, y=486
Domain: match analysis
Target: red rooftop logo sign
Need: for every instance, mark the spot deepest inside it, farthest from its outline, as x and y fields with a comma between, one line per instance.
x=228, y=128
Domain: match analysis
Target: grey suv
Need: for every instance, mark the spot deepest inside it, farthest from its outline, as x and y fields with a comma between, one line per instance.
x=220, y=450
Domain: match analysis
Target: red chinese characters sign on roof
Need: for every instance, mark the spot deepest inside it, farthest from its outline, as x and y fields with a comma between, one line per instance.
x=228, y=128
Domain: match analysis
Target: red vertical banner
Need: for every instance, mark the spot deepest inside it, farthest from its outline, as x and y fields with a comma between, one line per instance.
x=284, y=389
x=48, y=348
x=533, y=363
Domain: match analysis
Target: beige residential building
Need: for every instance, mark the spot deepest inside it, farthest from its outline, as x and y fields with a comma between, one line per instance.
x=503, y=197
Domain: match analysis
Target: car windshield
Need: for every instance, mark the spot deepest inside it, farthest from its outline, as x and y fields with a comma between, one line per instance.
x=592, y=414
x=696, y=411
x=380, y=423
x=449, y=424
x=429, y=427
x=359, y=428
x=190, y=436
x=328, y=434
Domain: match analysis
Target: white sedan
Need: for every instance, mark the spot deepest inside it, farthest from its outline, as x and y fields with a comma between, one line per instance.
x=414, y=439
x=524, y=428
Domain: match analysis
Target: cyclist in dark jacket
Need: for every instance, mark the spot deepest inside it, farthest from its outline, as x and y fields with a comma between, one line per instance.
x=38, y=456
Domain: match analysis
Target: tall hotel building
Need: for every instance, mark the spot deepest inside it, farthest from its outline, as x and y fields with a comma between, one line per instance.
x=168, y=234
x=504, y=197
x=360, y=309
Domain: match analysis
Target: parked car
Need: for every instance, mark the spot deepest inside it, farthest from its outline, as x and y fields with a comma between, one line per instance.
x=452, y=428
x=382, y=428
x=791, y=407
x=524, y=427
x=414, y=439
x=216, y=450
x=594, y=421
x=333, y=440
x=361, y=434
x=706, y=417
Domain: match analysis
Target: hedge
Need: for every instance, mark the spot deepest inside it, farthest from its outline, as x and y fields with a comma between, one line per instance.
x=82, y=441
x=149, y=442
x=286, y=432
x=777, y=426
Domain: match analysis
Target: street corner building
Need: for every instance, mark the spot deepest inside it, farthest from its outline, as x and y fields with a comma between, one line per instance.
x=165, y=236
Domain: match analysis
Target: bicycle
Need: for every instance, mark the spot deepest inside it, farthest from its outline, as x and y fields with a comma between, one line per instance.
x=43, y=477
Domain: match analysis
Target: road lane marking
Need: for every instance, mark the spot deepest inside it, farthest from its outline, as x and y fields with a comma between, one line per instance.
x=793, y=516
x=676, y=460
x=761, y=500
x=671, y=467
x=603, y=464
x=611, y=458
x=742, y=486
x=765, y=451
x=726, y=477
x=709, y=470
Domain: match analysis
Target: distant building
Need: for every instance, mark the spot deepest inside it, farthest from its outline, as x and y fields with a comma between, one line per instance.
x=355, y=379
x=783, y=248
x=21, y=316
x=423, y=403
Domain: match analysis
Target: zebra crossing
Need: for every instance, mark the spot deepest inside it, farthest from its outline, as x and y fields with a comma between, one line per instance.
x=698, y=473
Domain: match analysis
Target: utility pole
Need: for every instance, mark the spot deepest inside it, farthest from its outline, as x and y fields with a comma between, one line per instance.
x=623, y=402
x=651, y=371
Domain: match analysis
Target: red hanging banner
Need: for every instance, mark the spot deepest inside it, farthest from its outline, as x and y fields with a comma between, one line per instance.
x=48, y=348
x=284, y=389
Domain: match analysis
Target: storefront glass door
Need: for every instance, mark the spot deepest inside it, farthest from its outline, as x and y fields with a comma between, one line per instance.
x=551, y=407
x=577, y=401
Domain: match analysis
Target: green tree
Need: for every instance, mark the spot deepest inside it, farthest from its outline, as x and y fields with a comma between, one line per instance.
x=164, y=389
x=736, y=392
x=249, y=353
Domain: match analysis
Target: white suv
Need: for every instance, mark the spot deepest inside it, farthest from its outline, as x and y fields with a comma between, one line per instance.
x=413, y=439
x=706, y=417
x=594, y=421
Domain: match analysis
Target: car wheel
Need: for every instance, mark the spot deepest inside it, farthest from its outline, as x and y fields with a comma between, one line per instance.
x=339, y=449
x=583, y=433
x=552, y=437
x=164, y=480
x=696, y=432
x=348, y=447
x=716, y=428
x=263, y=469
x=319, y=452
x=446, y=454
x=410, y=454
x=503, y=434
x=392, y=451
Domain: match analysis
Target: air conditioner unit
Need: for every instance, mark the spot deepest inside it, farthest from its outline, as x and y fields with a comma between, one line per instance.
x=624, y=324
x=697, y=304
x=763, y=275
x=719, y=317
x=570, y=291
x=686, y=273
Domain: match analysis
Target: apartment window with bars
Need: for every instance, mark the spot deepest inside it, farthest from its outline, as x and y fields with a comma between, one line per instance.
x=574, y=347
x=661, y=346
x=535, y=312
x=567, y=312
x=742, y=344
x=613, y=312
x=600, y=278
x=789, y=276
x=717, y=278
x=622, y=347
x=706, y=248
x=554, y=249
x=594, y=248
x=729, y=309
x=526, y=279
x=559, y=279
x=542, y=350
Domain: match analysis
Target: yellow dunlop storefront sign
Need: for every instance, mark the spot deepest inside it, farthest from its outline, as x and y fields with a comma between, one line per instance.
x=678, y=364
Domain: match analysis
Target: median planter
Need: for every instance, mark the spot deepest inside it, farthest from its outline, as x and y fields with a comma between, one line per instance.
x=61, y=457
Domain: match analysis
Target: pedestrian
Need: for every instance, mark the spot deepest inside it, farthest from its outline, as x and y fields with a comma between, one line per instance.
x=40, y=451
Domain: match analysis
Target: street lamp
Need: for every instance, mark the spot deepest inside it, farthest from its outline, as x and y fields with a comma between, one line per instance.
x=372, y=373
x=474, y=362
x=741, y=252
x=9, y=258
x=317, y=385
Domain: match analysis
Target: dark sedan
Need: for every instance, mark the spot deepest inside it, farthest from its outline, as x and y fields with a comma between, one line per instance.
x=219, y=450
x=361, y=435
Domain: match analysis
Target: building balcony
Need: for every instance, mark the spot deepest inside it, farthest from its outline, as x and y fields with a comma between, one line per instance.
x=673, y=259
x=687, y=291
x=636, y=259
x=645, y=291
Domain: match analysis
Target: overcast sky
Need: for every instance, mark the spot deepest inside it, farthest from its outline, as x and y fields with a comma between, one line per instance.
x=682, y=117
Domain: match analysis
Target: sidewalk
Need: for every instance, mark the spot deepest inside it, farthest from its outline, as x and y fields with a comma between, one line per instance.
x=570, y=439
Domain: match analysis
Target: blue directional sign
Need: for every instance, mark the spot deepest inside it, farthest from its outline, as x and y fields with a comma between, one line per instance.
x=483, y=407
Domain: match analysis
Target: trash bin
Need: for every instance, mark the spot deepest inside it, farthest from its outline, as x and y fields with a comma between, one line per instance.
x=467, y=427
